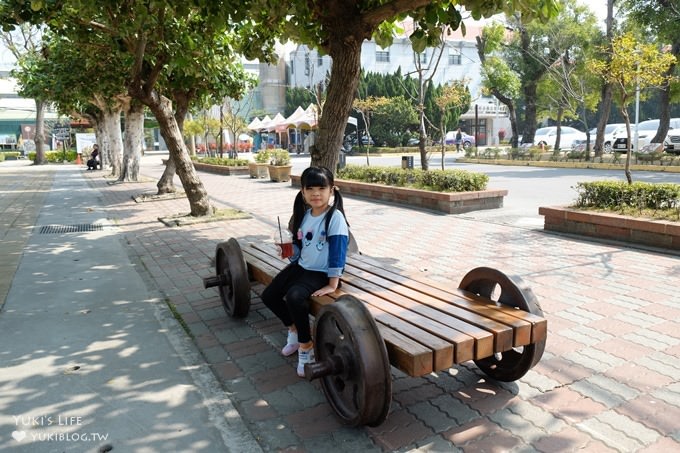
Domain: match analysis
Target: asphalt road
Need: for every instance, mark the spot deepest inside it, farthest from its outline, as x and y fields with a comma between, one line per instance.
x=528, y=187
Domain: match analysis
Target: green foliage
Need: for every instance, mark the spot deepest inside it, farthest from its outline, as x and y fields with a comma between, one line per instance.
x=436, y=180
x=620, y=194
x=392, y=120
x=298, y=97
x=227, y=162
x=279, y=157
x=263, y=156
x=56, y=156
x=9, y=154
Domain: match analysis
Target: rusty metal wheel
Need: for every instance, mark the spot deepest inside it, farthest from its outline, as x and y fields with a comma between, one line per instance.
x=352, y=361
x=493, y=284
x=232, y=274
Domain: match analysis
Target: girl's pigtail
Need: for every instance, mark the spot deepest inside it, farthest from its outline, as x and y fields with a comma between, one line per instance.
x=299, y=208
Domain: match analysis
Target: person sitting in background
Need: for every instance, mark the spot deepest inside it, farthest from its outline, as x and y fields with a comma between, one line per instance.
x=93, y=161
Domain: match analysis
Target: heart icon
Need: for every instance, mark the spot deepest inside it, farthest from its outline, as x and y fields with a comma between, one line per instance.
x=18, y=435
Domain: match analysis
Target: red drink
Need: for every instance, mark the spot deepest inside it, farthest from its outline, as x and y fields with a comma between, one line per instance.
x=286, y=249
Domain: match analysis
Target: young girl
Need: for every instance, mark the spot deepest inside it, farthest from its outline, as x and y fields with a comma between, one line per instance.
x=321, y=236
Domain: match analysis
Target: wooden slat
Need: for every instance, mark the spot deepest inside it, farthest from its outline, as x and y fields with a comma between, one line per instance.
x=490, y=336
x=428, y=327
x=418, y=328
x=528, y=328
x=406, y=353
x=439, y=324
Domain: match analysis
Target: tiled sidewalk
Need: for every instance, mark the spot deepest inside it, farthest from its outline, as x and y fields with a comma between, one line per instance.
x=607, y=382
x=22, y=191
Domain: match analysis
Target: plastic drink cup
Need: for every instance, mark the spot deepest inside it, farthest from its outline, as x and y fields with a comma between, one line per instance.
x=284, y=240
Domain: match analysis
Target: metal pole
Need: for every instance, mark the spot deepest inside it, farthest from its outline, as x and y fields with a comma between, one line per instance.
x=637, y=105
x=496, y=129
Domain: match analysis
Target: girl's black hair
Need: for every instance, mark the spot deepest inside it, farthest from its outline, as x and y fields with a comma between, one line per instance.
x=315, y=177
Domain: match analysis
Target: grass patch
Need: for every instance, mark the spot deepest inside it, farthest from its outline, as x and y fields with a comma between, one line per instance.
x=217, y=215
x=179, y=318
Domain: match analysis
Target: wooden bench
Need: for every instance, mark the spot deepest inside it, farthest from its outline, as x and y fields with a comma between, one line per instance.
x=422, y=326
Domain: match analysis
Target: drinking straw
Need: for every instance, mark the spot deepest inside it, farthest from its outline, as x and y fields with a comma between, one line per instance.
x=280, y=233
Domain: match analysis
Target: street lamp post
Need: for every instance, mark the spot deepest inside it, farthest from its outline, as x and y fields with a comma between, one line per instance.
x=637, y=102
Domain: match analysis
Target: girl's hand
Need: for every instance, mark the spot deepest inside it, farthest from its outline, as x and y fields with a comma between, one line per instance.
x=323, y=291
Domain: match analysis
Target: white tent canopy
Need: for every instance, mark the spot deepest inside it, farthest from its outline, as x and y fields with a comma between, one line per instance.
x=255, y=124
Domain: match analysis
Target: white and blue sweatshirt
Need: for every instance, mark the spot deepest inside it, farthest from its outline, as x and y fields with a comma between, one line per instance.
x=323, y=251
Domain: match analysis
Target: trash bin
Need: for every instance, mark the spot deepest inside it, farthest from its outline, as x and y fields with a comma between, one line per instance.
x=407, y=162
x=342, y=160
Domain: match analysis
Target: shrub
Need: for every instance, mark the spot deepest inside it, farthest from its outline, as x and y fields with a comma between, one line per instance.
x=279, y=157
x=433, y=180
x=262, y=157
x=620, y=194
x=56, y=156
x=222, y=161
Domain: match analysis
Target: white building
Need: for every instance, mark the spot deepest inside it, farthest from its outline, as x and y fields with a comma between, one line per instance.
x=459, y=61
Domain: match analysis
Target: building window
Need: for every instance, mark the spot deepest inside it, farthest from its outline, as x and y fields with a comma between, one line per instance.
x=454, y=57
x=319, y=60
x=382, y=56
x=423, y=57
x=307, y=64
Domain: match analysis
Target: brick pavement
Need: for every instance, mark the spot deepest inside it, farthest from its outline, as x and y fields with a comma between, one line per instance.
x=608, y=380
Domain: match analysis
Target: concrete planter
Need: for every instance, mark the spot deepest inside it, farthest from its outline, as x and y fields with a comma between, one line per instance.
x=257, y=170
x=448, y=202
x=221, y=169
x=279, y=173
x=656, y=233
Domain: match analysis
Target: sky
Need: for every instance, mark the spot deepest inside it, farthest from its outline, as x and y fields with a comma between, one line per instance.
x=598, y=7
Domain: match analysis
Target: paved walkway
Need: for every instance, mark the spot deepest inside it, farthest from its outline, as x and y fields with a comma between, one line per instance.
x=91, y=359
x=607, y=382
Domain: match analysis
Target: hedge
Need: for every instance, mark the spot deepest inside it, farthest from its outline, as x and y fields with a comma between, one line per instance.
x=222, y=161
x=620, y=194
x=433, y=180
x=56, y=156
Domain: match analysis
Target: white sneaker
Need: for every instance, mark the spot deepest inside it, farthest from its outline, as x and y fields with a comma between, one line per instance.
x=303, y=358
x=292, y=344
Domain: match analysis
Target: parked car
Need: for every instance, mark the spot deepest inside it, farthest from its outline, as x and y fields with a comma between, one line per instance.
x=547, y=136
x=646, y=132
x=611, y=133
x=672, y=144
x=467, y=141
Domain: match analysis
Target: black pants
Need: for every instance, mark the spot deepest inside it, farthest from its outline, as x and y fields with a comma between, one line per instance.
x=288, y=297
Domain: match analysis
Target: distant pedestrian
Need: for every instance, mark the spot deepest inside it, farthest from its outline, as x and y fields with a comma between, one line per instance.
x=459, y=139
x=320, y=240
x=93, y=161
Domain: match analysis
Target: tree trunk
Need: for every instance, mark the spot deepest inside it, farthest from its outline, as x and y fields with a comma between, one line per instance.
x=514, y=141
x=134, y=134
x=665, y=100
x=113, y=132
x=346, y=55
x=198, y=197
x=607, y=88
x=626, y=169
x=102, y=139
x=422, y=131
x=39, y=133
x=558, y=136
x=529, y=112
x=167, y=184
